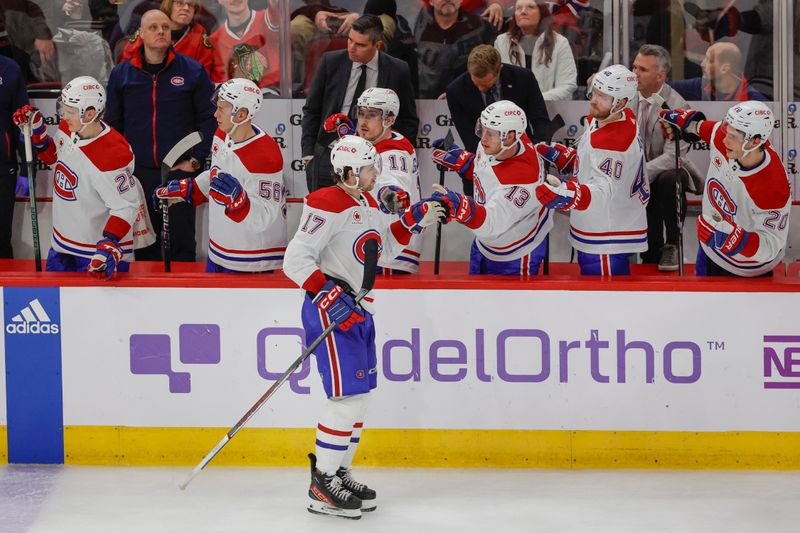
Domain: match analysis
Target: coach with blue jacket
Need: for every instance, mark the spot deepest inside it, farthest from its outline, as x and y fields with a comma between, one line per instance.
x=155, y=99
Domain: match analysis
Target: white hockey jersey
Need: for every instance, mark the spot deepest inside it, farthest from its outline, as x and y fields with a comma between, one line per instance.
x=330, y=240
x=399, y=167
x=610, y=162
x=255, y=240
x=757, y=199
x=513, y=223
x=94, y=190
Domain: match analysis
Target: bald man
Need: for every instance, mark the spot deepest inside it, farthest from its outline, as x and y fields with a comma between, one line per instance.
x=156, y=98
x=722, y=79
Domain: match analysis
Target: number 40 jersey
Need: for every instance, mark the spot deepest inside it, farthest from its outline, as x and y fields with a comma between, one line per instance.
x=610, y=162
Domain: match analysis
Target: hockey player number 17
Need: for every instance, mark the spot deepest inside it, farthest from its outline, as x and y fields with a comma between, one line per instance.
x=314, y=221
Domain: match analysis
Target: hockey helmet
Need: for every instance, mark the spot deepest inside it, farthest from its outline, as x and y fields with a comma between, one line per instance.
x=83, y=92
x=378, y=98
x=617, y=82
x=752, y=119
x=502, y=116
x=356, y=153
x=241, y=94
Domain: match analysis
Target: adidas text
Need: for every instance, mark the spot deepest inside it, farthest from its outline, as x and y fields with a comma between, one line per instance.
x=35, y=328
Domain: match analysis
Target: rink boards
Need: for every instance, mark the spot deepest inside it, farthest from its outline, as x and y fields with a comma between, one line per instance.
x=522, y=378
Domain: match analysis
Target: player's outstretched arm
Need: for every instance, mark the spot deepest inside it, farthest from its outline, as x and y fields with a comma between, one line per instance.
x=564, y=196
x=690, y=124
x=454, y=158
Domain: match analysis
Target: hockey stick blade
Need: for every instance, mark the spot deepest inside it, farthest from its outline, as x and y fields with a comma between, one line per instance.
x=180, y=148
x=371, y=253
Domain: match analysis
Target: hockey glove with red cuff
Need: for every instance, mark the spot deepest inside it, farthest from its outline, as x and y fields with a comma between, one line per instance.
x=393, y=199
x=338, y=305
x=558, y=155
x=455, y=158
x=39, y=137
x=175, y=191
x=681, y=120
x=460, y=207
x=728, y=238
x=340, y=124
x=421, y=215
x=106, y=258
x=227, y=190
x=564, y=196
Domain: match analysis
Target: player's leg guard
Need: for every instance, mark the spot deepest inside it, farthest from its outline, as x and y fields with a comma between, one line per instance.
x=328, y=496
x=335, y=429
x=367, y=495
x=604, y=264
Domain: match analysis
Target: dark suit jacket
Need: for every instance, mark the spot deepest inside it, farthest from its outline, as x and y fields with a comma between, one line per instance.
x=516, y=84
x=326, y=96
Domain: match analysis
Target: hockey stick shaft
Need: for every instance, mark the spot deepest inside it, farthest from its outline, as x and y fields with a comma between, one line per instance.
x=370, y=268
x=37, y=251
x=438, y=251
x=678, y=193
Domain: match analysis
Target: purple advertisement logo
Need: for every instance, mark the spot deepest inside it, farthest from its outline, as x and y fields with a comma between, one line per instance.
x=198, y=344
x=782, y=357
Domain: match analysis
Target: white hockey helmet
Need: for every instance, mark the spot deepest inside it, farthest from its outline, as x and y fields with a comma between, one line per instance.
x=502, y=116
x=617, y=82
x=751, y=118
x=241, y=93
x=355, y=153
x=378, y=98
x=84, y=92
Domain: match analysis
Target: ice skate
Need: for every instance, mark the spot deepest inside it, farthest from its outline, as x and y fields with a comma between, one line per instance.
x=367, y=496
x=328, y=496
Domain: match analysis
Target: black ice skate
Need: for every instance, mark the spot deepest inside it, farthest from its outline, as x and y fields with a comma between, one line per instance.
x=367, y=496
x=327, y=495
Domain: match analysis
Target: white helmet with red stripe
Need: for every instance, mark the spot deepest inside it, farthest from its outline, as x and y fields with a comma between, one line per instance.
x=241, y=93
x=752, y=119
x=83, y=93
x=617, y=82
x=355, y=153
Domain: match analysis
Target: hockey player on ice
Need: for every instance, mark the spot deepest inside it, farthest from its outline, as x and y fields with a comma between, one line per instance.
x=398, y=183
x=326, y=258
x=747, y=198
x=247, y=211
x=96, y=198
x=608, y=192
x=510, y=226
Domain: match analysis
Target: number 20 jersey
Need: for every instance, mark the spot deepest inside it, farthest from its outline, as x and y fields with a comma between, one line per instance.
x=610, y=162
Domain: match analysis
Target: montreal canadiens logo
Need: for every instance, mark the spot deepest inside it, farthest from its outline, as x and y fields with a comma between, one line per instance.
x=360, y=374
x=721, y=199
x=358, y=246
x=177, y=81
x=65, y=181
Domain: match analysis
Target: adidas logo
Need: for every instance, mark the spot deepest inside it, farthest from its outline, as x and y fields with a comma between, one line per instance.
x=32, y=319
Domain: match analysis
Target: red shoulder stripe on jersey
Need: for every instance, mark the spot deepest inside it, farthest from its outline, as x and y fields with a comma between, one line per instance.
x=706, y=129
x=520, y=170
x=263, y=156
x=109, y=152
x=315, y=282
x=753, y=243
x=370, y=200
x=63, y=127
x=219, y=134
x=400, y=232
x=616, y=136
x=769, y=187
x=332, y=199
x=401, y=143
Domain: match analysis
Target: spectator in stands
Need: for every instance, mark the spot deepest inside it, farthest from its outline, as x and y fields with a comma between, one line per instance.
x=491, y=11
x=651, y=66
x=247, y=45
x=722, y=77
x=445, y=36
x=27, y=29
x=531, y=43
x=155, y=99
x=486, y=81
x=188, y=37
x=340, y=79
x=12, y=97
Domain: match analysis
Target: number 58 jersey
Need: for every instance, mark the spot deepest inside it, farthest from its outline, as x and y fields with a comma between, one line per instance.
x=610, y=162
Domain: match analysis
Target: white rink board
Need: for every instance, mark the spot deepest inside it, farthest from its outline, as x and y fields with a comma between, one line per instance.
x=722, y=390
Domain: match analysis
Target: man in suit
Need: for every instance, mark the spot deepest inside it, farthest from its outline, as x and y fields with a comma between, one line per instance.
x=340, y=79
x=651, y=66
x=487, y=80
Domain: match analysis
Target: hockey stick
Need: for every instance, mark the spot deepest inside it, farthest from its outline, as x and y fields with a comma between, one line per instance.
x=370, y=266
x=678, y=193
x=37, y=252
x=547, y=136
x=183, y=146
x=446, y=145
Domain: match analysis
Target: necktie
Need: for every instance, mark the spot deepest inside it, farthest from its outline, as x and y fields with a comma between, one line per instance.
x=490, y=96
x=360, y=86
